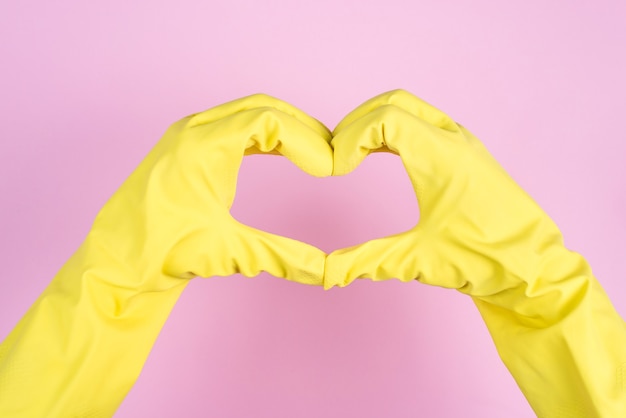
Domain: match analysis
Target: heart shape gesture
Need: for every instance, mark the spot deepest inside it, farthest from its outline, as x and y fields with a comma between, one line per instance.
x=480, y=233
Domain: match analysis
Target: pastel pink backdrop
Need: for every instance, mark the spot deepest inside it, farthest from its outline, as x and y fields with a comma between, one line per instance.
x=89, y=87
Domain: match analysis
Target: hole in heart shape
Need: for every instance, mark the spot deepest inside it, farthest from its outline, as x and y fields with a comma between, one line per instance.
x=373, y=201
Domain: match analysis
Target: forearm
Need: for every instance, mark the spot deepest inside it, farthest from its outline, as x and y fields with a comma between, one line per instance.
x=569, y=359
x=81, y=346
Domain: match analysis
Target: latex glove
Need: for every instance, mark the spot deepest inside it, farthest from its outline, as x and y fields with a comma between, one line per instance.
x=480, y=233
x=81, y=346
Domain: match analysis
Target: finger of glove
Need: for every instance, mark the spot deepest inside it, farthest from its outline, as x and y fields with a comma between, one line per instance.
x=428, y=153
x=231, y=247
x=407, y=256
x=255, y=101
x=279, y=256
x=404, y=100
x=219, y=148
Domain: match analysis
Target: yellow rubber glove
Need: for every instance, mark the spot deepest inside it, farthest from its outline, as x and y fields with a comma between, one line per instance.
x=480, y=233
x=81, y=346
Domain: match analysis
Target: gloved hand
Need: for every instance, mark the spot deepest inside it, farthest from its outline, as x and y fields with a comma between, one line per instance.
x=81, y=346
x=480, y=233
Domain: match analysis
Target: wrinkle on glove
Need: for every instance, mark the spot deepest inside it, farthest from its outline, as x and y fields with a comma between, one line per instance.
x=480, y=233
x=82, y=344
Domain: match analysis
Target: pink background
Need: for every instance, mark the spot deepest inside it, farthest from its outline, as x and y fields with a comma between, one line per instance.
x=89, y=87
